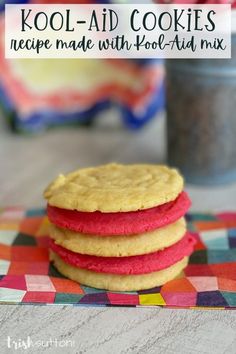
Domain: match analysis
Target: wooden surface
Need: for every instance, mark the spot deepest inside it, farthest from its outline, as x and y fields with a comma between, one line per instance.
x=27, y=165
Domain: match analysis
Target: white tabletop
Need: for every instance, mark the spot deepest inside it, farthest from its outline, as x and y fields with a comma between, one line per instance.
x=27, y=164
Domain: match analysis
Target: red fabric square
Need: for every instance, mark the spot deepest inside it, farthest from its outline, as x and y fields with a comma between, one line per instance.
x=199, y=270
x=224, y=270
x=18, y=268
x=66, y=286
x=29, y=254
x=209, y=225
x=179, y=298
x=30, y=226
x=40, y=268
x=5, y=252
x=123, y=299
x=178, y=285
x=225, y=284
x=43, y=241
x=199, y=245
x=37, y=296
x=13, y=282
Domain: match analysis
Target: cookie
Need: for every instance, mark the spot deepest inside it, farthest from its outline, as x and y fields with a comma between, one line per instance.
x=115, y=282
x=119, y=246
x=126, y=223
x=143, y=264
x=115, y=188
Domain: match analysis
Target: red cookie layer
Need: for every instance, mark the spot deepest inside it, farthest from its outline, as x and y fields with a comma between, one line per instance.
x=148, y=263
x=122, y=223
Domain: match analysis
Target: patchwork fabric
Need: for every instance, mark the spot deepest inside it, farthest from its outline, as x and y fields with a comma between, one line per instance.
x=26, y=275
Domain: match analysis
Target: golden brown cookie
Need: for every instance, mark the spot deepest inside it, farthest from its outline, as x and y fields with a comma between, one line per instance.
x=115, y=188
x=116, y=282
x=119, y=246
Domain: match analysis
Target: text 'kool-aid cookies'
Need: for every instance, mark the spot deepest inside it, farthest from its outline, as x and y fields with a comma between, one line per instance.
x=119, y=227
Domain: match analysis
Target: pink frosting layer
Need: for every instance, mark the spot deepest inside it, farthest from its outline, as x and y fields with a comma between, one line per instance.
x=121, y=223
x=148, y=263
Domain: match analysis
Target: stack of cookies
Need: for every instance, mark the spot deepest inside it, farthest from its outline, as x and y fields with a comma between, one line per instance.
x=119, y=227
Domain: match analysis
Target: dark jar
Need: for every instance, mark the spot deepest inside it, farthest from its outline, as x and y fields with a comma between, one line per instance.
x=201, y=118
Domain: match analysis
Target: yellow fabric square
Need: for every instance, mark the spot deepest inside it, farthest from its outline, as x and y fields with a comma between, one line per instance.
x=43, y=229
x=9, y=226
x=151, y=299
x=206, y=308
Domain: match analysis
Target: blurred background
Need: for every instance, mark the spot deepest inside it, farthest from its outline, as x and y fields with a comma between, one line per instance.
x=59, y=115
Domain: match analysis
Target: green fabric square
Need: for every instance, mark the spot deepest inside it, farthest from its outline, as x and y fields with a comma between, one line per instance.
x=224, y=256
x=230, y=298
x=203, y=217
x=199, y=257
x=63, y=298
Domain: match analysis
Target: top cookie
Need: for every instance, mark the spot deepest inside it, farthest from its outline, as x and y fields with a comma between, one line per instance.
x=115, y=188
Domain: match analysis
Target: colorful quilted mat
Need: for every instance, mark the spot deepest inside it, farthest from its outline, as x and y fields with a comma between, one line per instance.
x=26, y=275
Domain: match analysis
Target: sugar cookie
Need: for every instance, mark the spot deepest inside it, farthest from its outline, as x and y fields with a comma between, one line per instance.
x=114, y=282
x=119, y=246
x=115, y=188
